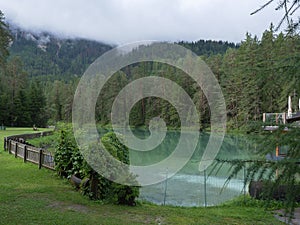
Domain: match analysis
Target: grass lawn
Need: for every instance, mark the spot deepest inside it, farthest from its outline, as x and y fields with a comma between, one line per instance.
x=48, y=142
x=17, y=130
x=32, y=196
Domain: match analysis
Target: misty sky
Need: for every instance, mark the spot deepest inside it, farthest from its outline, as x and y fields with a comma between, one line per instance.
x=122, y=21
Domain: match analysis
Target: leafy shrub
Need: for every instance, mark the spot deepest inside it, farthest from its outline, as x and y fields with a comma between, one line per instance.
x=69, y=161
x=108, y=190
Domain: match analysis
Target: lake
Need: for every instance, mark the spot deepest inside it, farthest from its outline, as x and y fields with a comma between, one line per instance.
x=190, y=187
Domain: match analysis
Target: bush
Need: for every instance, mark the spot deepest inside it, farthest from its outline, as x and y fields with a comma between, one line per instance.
x=69, y=161
x=108, y=190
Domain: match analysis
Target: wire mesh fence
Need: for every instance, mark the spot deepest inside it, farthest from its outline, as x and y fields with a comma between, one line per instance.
x=206, y=188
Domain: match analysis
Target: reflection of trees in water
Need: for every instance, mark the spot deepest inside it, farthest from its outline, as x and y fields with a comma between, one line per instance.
x=237, y=147
x=234, y=146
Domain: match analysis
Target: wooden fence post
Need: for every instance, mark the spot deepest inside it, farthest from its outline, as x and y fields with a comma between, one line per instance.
x=16, y=150
x=40, y=158
x=25, y=153
x=9, y=146
x=5, y=143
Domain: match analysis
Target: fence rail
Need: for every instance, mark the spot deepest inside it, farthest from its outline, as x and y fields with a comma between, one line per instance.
x=17, y=145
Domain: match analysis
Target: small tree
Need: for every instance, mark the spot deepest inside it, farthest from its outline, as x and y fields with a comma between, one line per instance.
x=68, y=159
x=274, y=171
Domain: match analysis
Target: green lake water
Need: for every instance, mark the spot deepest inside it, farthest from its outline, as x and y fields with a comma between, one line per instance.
x=191, y=187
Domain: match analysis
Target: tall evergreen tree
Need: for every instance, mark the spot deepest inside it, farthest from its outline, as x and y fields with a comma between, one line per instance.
x=37, y=105
x=15, y=79
x=5, y=39
x=22, y=110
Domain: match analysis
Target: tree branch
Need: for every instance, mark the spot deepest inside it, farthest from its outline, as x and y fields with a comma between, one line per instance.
x=262, y=7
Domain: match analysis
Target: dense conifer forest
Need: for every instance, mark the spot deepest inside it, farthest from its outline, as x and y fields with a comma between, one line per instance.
x=40, y=76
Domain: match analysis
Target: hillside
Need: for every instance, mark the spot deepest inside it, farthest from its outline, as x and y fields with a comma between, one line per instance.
x=208, y=47
x=46, y=54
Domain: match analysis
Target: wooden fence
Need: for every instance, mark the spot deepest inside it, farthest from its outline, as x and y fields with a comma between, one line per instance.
x=17, y=145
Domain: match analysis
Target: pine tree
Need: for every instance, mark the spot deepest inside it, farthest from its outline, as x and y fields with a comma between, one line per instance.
x=22, y=110
x=15, y=79
x=5, y=39
x=37, y=105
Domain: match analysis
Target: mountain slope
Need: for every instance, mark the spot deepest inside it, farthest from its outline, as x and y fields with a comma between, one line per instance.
x=45, y=54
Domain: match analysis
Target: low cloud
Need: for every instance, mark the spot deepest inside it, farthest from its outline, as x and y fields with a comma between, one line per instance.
x=122, y=21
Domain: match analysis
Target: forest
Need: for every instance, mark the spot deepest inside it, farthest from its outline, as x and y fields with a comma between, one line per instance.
x=40, y=73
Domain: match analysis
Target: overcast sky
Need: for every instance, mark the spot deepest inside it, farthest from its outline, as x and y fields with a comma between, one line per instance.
x=122, y=21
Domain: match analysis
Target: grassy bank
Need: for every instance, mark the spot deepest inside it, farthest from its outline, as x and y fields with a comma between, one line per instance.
x=32, y=196
x=17, y=130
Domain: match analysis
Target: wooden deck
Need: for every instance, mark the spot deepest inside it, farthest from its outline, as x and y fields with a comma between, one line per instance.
x=295, y=117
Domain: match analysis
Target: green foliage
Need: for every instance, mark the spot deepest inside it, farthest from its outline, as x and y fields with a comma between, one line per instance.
x=21, y=109
x=47, y=142
x=37, y=104
x=69, y=161
x=147, y=108
x=26, y=101
x=273, y=170
x=5, y=39
x=44, y=54
x=209, y=47
x=51, y=59
x=121, y=194
x=248, y=201
x=67, y=158
x=22, y=103
x=256, y=76
x=259, y=76
x=116, y=148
